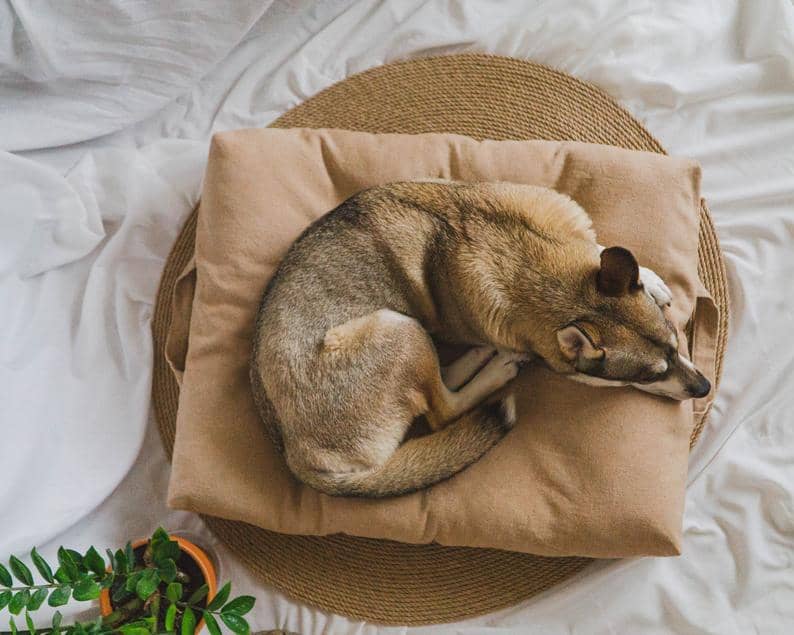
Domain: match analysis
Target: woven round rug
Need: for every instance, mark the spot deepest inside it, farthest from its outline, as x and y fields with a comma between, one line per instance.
x=483, y=97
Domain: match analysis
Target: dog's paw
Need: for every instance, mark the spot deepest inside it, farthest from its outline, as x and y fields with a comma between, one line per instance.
x=655, y=287
x=501, y=369
x=517, y=358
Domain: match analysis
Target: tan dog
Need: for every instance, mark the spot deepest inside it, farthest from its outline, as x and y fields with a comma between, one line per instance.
x=343, y=361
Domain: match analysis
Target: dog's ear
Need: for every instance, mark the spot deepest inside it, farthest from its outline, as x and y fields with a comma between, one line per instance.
x=578, y=342
x=619, y=272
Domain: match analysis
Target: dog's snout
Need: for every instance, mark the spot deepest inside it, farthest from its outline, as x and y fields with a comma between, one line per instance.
x=701, y=388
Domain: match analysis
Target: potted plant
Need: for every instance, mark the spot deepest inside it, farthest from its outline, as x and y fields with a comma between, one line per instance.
x=155, y=586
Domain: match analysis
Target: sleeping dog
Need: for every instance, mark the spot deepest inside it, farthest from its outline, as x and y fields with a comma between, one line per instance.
x=343, y=359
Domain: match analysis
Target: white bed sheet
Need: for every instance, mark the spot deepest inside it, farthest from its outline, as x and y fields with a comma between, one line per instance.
x=85, y=229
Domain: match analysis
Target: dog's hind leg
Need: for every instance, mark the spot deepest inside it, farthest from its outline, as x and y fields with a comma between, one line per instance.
x=401, y=354
x=387, y=367
x=381, y=370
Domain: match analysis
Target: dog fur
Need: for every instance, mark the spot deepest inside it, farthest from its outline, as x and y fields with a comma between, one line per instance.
x=343, y=359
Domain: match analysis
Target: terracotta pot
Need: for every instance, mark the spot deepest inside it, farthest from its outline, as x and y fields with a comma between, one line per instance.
x=199, y=557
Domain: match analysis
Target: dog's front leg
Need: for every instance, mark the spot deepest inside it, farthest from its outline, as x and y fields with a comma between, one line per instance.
x=463, y=369
x=653, y=285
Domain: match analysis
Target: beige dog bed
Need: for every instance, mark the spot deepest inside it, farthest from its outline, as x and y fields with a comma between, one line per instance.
x=586, y=471
x=423, y=571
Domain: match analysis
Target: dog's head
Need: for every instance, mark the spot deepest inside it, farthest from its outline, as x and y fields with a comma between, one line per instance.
x=623, y=338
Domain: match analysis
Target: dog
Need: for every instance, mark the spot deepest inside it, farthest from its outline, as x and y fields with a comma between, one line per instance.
x=343, y=360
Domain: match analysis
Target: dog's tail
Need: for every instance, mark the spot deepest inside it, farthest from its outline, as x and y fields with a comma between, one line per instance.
x=423, y=461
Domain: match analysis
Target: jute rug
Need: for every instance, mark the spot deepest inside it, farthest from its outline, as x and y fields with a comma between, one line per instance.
x=482, y=97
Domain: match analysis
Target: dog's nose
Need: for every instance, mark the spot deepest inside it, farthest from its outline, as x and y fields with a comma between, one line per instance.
x=701, y=388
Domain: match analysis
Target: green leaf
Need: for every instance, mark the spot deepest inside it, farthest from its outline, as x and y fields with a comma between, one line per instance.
x=127, y=629
x=236, y=623
x=5, y=598
x=77, y=558
x=19, y=601
x=198, y=595
x=13, y=626
x=96, y=627
x=56, y=623
x=68, y=566
x=120, y=595
x=119, y=561
x=107, y=581
x=21, y=571
x=147, y=584
x=132, y=581
x=94, y=561
x=188, y=622
x=170, y=617
x=167, y=570
x=41, y=565
x=60, y=576
x=5, y=577
x=240, y=605
x=29, y=622
x=129, y=556
x=160, y=535
x=163, y=548
x=86, y=589
x=37, y=599
x=171, y=551
x=220, y=599
x=141, y=623
x=60, y=595
x=212, y=623
x=174, y=592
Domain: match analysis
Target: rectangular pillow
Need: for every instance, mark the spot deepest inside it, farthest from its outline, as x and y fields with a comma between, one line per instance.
x=586, y=471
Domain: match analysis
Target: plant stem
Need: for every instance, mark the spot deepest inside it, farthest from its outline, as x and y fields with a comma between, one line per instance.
x=182, y=577
x=45, y=631
x=197, y=609
x=154, y=610
x=14, y=589
x=147, y=555
x=122, y=613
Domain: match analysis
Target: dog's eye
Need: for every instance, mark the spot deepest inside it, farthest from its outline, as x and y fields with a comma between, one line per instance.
x=660, y=367
x=653, y=373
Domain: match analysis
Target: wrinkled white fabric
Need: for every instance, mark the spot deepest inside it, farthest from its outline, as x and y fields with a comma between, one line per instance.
x=80, y=263
x=85, y=229
x=73, y=70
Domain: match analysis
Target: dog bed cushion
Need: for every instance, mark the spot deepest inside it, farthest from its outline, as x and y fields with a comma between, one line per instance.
x=586, y=471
